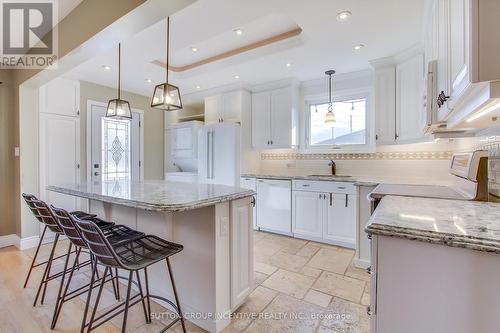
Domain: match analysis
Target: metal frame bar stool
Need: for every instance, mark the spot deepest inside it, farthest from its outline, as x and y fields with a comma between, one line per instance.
x=114, y=234
x=29, y=198
x=132, y=256
x=41, y=213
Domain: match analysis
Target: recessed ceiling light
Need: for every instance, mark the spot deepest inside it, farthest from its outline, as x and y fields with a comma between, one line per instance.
x=238, y=31
x=344, y=15
x=358, y=46
x=236, y=76
x=198, y=87
x=106, y=67
x=194, y=49
x=149, y=80
x=288, y=64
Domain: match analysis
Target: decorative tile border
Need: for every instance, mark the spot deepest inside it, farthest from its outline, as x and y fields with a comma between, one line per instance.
x=399, y=155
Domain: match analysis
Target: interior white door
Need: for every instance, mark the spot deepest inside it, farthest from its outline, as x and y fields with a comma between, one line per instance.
x=115, y=146
x=59, y=158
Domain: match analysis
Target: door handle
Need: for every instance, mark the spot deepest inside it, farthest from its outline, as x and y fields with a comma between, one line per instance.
x=96, y=173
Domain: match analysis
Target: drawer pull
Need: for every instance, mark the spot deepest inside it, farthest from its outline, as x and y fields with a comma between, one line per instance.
x=341, y=187
x=305, y=185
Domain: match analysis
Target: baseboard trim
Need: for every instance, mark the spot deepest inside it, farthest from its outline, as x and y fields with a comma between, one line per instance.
x=9, y=240
x=28, y=242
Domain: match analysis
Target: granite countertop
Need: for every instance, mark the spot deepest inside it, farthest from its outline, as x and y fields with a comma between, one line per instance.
x=155, y=195
x=468, y=224
x=357, y=180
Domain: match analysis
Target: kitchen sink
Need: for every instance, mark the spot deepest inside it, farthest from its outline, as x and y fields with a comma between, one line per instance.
x=330, y=176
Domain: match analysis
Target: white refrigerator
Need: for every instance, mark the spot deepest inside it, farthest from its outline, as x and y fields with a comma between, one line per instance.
x=219, y=154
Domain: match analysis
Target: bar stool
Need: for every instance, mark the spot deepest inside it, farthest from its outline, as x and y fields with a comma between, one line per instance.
x=131, y=256
x=42, y=212
x=114, y=235
x=29, y=198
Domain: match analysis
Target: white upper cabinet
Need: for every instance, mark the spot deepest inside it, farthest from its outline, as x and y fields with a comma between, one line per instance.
x=459, y=59
x=399, y=98
x=60, y=96
x=261, y=119
x=274, y=118
x=213, y=109
x=227, y=107
x=385, y=104
x=467, y=50
x=410, y=110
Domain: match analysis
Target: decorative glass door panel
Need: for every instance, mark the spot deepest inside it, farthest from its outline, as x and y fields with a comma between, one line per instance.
x=116, y=150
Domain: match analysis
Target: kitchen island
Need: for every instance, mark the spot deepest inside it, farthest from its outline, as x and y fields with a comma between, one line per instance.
x=214, y=272
x=435, y=266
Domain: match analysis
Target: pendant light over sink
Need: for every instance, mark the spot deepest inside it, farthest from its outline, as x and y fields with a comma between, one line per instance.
x=118, y=108
x=167, y=97
x=330, y=116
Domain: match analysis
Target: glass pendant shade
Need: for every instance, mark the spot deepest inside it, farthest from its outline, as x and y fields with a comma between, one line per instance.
x=118, y=108
x=166, y=97
x=330, y=117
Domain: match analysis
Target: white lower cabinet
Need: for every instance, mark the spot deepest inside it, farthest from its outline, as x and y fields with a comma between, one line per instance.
x=340, y=224
x=323, y=214
x=251, y=184
x=242, y=256
x=309, y=212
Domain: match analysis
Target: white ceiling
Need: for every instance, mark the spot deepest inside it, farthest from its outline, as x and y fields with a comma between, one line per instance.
x=384, y=26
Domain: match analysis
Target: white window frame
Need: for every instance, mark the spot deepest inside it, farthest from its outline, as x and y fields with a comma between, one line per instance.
x=369, y=146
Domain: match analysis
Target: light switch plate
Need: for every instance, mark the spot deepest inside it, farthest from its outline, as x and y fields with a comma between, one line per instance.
x=17, y=151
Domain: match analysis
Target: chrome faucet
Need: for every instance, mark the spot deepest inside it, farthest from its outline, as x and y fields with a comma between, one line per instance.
x=334, y=167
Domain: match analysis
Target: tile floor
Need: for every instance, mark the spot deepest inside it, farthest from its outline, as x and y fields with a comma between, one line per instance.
x=300, y=286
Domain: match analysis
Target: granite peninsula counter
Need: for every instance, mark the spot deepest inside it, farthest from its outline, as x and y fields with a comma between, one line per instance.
x=214, y=223
x=435, y=265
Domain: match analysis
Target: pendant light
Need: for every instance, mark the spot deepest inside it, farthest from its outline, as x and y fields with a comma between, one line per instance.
x=118, y=108
x=330, y=116
x=167, y=97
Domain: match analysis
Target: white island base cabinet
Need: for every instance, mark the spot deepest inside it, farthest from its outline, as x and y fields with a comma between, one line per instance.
x=422, y=287
x=214, y=272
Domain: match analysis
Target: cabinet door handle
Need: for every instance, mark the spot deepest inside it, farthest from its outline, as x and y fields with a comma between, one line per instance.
x=320, y=195
x=271, y=141
x=346, y=200
x=253, y=201
x=331, y=197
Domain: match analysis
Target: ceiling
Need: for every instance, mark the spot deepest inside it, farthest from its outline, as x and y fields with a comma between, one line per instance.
x=385, y=27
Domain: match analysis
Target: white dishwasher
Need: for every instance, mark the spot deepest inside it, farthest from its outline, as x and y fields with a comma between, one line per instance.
x=274, y=205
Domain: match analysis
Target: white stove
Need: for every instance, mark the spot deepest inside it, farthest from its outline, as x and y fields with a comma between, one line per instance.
x=470, y=181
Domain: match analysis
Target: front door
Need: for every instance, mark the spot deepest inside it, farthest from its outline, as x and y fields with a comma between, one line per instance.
x=115, y=146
